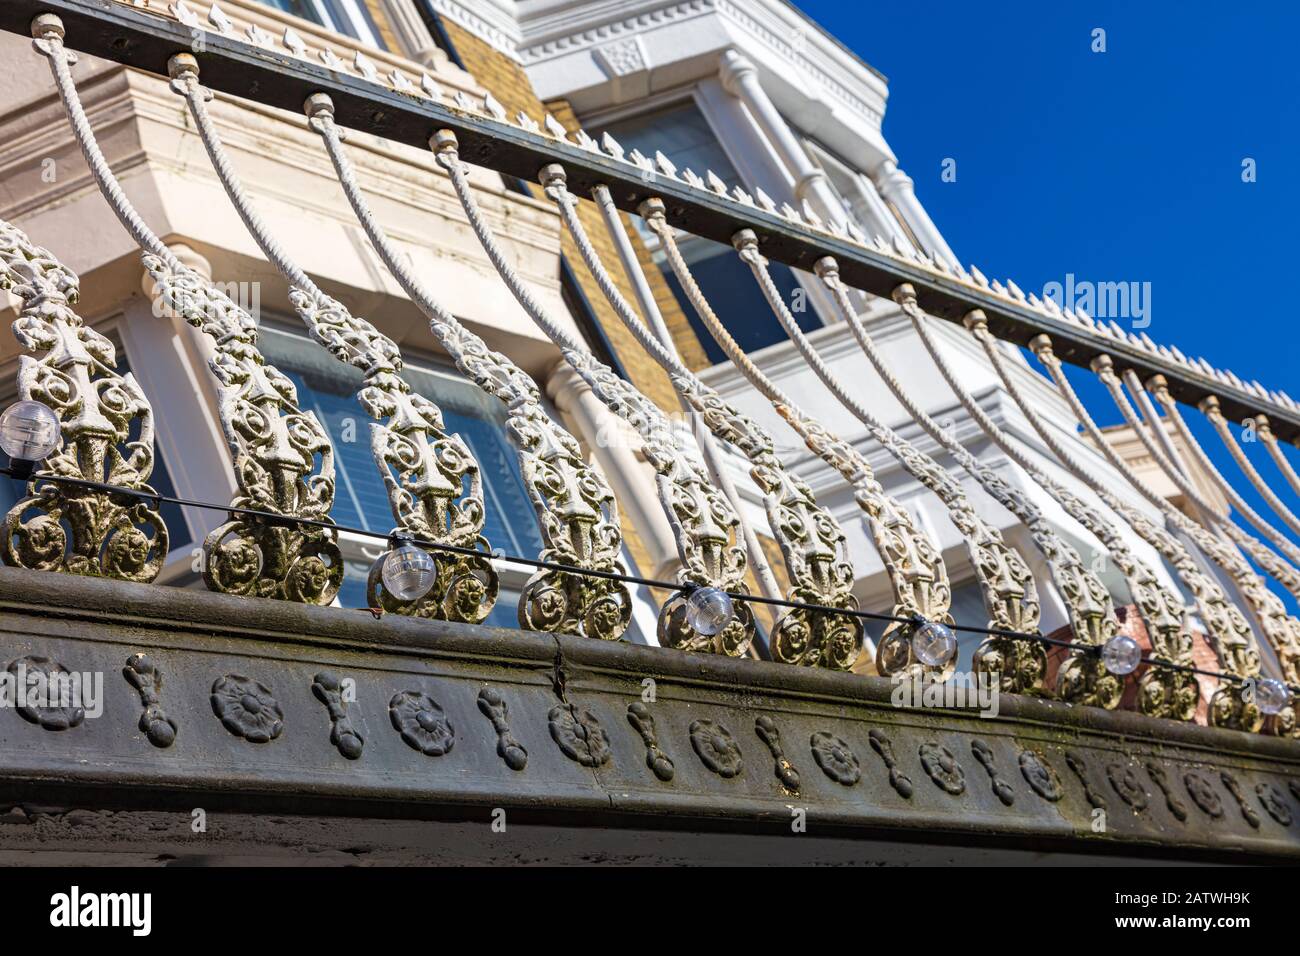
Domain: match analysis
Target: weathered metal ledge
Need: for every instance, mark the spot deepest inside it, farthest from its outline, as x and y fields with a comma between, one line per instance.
x=539, y=726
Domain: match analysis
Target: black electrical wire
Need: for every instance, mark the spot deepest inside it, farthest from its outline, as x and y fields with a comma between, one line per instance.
x=271, y=517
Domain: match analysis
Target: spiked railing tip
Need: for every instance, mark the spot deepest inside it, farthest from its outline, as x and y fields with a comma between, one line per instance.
x=217, y=17
x=181, y=11
x=493, y=108
x=293, y=42
x=555, y=128
x=365, y=67
x=610, y=145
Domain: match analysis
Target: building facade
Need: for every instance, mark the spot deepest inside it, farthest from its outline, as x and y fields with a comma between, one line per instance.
x=747, y=99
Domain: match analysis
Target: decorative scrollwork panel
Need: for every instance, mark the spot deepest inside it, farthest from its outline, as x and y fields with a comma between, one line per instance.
x=72, y=369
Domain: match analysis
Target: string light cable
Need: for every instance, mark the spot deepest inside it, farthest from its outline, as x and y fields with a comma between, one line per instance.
x=23, y=469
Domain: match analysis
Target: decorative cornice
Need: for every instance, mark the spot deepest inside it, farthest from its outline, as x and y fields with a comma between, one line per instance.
x=782, y=45
x=486, y=21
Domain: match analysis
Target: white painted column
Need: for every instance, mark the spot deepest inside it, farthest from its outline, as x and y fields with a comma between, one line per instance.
x=169, y=359
x=896, y=186
x=616, y=448
x=739, y=77
x=417, y=42
x=883, y=220
x=713, y=455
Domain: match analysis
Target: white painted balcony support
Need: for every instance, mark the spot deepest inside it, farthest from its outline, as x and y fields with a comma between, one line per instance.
x=739, y=77
x=614, y=445
x=169, y=357
x=896, y=186
x=417, y=42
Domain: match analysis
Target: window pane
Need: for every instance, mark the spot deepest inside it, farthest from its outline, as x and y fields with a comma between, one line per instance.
x=329, y=389
x=684, y=136
x=299, y=8
x=349, y=17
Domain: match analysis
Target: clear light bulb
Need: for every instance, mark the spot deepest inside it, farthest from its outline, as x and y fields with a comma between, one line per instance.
x=934, y=644
x=29, y=431
x=1271, y=696
x=408, y=572
x=708, y=611
x=1121, y=655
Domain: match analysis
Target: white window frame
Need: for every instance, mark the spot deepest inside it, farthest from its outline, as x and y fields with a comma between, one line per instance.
x=357, y=23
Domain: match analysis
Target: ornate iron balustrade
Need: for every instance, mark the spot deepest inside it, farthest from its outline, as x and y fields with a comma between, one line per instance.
x=396, y=110
x=403, y=109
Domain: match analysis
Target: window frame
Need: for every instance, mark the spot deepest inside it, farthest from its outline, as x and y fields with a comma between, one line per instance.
x=329, y=12
x=690, y=246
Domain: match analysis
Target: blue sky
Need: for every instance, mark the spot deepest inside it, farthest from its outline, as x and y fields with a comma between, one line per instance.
x=1117, y=166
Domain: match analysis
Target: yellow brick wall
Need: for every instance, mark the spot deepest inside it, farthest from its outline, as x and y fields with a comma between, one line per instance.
x=385, y=28
x=508, y=82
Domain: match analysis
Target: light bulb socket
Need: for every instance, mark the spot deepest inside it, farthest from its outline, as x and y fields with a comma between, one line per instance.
x=22, y=468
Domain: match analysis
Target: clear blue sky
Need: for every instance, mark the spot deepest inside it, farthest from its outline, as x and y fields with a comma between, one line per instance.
x=1117, y=166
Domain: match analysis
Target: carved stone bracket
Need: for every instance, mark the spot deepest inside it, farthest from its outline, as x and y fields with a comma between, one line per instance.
x=770, y=734
x=142, y=674
x=329, y=690
x=639, y=716
x=493, y=706
x=1001, y=789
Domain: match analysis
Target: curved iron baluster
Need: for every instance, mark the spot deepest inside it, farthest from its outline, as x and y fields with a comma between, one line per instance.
x=1081, y=678
x=813, y=544
x=1163, y=692
x=435, y=489
x=574, y=504
x=1232, y=638
x=912, y=561
x=1286, y=574
x=284, y=463
x=705, y=527
x=1006, y=583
